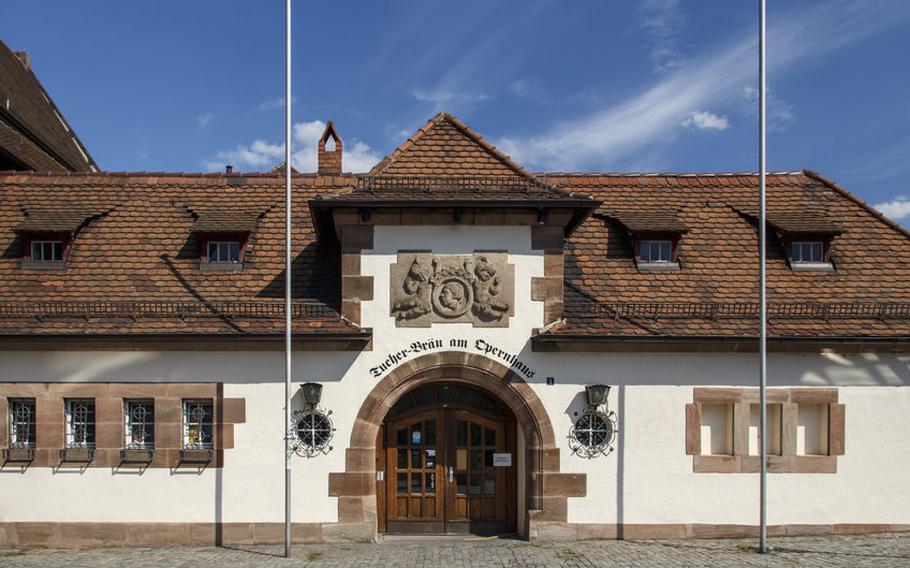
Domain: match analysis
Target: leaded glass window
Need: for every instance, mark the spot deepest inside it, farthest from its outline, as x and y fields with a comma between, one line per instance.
x=140, y=425
x=197, y=424
x=22, y=423
x=80, y=423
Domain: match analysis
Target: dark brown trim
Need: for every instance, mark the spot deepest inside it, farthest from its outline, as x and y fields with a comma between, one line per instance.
x=327, y=341
x=581, y=342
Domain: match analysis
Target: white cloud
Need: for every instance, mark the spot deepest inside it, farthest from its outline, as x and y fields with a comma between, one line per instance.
x=780, y=113
x=616, y=135
x=897, y=209
x=447, y=100
x=203, y=120
x=662, y=21
x=274, y=104
x=262, y=156
x=528, y=89
x=704, y=120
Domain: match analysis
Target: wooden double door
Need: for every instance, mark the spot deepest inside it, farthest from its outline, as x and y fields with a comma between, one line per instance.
x=448, y=470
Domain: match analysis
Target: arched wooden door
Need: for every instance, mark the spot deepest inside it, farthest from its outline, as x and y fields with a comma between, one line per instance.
x=448, y=463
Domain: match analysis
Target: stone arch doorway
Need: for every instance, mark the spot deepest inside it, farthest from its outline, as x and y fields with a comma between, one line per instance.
x=544, y=490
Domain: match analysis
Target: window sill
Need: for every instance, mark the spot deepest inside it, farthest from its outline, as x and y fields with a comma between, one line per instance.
x=194, y=455
x=234, y=267
x=83, y=455
x=812, y=267
x=44, y=266
x=658, y=266
x=20, y=455
x=136, y=456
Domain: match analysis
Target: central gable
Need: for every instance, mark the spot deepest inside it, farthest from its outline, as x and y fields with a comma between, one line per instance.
x=444, y=147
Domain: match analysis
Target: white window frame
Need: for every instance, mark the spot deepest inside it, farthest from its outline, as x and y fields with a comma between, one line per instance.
x=39, y=247
x=222, y=247
x=80, y=423
x=204, y=425
x=650, y=245
x=135, y=423
x=16, y=425
x=797, y=248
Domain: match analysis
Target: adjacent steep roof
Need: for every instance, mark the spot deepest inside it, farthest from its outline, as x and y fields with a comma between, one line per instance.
x=32, y=128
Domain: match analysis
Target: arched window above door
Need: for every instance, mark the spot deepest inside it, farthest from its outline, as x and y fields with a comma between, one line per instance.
x=448, y=394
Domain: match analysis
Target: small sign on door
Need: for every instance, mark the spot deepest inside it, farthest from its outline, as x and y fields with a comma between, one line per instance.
x=502, y=460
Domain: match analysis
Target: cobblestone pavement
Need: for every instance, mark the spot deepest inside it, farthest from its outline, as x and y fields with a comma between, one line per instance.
x=853, y=551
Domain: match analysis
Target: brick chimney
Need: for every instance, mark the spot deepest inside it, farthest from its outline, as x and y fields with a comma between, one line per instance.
x=330, y=158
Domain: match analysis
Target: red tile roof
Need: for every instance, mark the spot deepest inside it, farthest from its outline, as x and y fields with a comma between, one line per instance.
x=719, y=258
x=145, y=249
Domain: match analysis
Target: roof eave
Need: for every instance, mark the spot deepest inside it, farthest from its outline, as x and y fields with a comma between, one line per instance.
x=581, y=342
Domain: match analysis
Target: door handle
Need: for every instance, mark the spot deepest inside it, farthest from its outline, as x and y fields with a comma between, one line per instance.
x=451, y=474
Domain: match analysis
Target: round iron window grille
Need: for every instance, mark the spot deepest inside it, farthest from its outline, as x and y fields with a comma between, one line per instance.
x=592, y=434
x=311, y=433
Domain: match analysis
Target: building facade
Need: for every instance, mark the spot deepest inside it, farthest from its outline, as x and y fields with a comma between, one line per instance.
x=457, y=323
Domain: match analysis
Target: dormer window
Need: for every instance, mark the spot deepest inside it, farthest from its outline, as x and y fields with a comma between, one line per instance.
x=46, y=251
x=654, y=235
x=224, y=251
x=807, y=252
x=47, y=235
x=655, y=251
x=223, y=237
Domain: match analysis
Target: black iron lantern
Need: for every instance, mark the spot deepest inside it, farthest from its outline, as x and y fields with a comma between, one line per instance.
x=311, y=393
x=597, y=395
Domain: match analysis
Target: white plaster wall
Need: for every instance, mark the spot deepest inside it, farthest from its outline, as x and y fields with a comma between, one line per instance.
x=648, y=480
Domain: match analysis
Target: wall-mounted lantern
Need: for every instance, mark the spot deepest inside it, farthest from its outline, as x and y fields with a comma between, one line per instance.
x=311, y=429
x=593, y=433
x=597, y=395
x=311, y=393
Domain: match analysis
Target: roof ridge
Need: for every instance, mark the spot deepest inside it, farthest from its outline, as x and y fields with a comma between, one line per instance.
x=438, y=118
x=665, y=174
x=831, y=184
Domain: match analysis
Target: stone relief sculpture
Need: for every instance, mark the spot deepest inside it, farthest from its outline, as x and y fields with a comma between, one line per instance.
x=418, y=288
x=430, y=288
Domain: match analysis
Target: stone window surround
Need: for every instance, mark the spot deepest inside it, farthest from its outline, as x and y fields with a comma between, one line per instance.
x=109, y=426
x=788, y=461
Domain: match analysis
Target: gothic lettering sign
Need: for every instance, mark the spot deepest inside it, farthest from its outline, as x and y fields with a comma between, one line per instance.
x=482, y=346
x=431, y=288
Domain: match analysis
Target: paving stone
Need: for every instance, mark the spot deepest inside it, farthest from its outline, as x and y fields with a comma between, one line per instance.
x=884, y=550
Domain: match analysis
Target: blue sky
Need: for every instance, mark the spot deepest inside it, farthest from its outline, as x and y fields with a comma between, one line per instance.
x=646, y=85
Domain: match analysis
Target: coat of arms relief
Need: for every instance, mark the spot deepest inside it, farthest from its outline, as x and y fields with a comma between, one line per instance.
x=431, y=288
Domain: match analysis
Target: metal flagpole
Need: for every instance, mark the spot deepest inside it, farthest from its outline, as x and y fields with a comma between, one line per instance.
x=762, y=275
x=287, y=282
